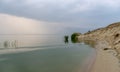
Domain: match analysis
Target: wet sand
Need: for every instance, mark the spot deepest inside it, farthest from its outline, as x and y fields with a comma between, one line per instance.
x=88, y=63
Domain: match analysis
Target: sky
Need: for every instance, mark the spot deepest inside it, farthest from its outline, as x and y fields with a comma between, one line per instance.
x=56, y=16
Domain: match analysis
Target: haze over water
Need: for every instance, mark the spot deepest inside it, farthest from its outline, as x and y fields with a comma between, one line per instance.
x=32, y=33
x=52, y=54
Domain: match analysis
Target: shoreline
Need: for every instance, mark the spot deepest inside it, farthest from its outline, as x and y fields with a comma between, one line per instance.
x=89, y=62
x=106, y=41
x=105, y=62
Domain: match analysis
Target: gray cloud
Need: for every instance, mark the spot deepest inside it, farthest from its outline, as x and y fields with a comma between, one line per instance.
x=77, y=13
x=10, y=24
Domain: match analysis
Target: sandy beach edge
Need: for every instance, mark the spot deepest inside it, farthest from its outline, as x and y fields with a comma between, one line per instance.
x=105, y=61
x=88, y=62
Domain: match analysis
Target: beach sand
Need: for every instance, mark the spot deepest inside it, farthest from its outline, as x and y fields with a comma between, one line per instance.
x=105, y=62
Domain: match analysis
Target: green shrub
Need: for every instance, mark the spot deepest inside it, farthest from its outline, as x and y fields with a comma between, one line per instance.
x=74, y=37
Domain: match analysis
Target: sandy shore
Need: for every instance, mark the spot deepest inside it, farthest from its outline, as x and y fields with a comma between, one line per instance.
x=88, y=62
x=107, y=40
x=105, y=62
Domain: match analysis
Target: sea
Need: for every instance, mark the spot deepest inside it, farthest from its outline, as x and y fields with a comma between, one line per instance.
x=43, y=53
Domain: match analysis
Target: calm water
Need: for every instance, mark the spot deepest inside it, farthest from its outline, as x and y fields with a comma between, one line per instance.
x=52, y=54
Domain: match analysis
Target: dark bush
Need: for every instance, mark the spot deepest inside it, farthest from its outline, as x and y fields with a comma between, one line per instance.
x=74, y=37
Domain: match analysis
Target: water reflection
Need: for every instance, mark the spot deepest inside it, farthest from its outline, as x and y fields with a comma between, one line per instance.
x=60, y=57
x=6, y=44
x=91, y=43
x=10, y=44
x=66, y=39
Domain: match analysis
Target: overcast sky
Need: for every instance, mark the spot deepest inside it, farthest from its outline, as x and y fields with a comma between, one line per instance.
x=79, y=14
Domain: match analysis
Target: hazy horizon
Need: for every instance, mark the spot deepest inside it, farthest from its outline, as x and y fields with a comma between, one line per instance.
x=56, y=17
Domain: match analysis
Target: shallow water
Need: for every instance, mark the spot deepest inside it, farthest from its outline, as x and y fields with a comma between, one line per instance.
x=56, y=55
